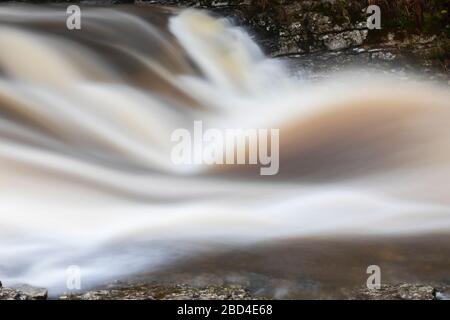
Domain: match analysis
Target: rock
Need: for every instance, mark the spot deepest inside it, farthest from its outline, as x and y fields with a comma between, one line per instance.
x=443, y=293
x=385, y=56
x=23, y=292
x=404, y=291
x=145, y=291
x=34, y=293
x=142, y=291
x=8, y=294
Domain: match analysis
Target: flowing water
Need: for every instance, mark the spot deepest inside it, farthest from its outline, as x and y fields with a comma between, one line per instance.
x=86, y=176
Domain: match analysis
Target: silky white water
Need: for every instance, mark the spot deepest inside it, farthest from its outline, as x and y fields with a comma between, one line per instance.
x=86, y=116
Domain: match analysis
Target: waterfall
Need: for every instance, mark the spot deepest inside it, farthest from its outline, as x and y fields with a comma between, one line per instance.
x=86, y=117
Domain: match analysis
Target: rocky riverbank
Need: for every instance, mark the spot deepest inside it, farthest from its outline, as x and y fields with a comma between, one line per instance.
x=23, y=292
x=145, y=291
x=133, y=291
x=404, y=291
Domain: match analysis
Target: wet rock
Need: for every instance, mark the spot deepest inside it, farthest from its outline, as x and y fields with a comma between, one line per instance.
x=385, y=56
x=344, y=40
x=142, y=291
x=23, y=292
x=33, y=293
x=443, y=293
x=399, y=292
x=8, y=294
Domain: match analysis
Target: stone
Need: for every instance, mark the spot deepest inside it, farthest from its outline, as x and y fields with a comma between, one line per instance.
x=386, y=56
x=143, y=291
x=23, y=292
x=405, y=291
x=33, y=293
x=337, y=42
x=443, y=293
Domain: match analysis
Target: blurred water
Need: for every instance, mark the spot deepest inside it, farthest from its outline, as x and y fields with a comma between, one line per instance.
x=85, y=124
